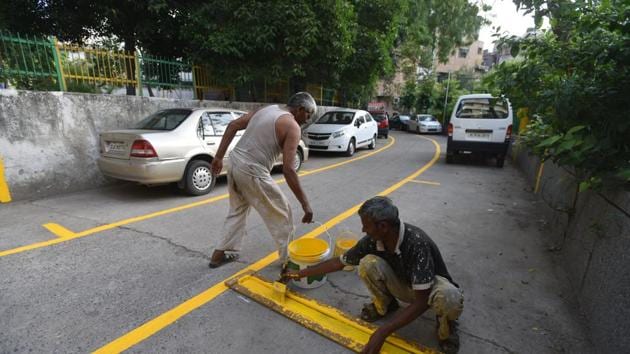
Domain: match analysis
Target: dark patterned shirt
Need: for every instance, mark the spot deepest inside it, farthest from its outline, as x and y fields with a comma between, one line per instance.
x=416, y=260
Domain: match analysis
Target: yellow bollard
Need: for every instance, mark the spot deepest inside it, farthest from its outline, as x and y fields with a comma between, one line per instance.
x=5, y=196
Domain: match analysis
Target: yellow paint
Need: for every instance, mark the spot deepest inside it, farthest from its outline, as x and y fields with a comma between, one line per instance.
x=162, y=321
x=323, y=319
x=308, y=250
x=538, y=177
x=5, y=196
x=426, y=182
x=59, y=230
x=67, y=234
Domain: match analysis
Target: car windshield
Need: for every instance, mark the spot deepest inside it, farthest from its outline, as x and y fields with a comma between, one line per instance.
x=427, y=119
x=482, y=108
x=164, y=120
x=336, y=118
x=404, y=117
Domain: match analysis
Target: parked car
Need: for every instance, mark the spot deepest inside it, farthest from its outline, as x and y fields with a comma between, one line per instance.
x=480, y=123
x=425, y=123
x=341, y=130
x=382, y=119
x=400, y=122
x=172, y=145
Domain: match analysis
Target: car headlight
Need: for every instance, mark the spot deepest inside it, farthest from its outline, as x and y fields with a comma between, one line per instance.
x=337, y=134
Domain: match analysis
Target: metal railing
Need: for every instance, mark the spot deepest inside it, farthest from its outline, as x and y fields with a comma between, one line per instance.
x=26, y=62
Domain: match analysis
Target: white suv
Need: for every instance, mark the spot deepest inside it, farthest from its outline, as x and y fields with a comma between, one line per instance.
x=342, y=130
x=480, y=123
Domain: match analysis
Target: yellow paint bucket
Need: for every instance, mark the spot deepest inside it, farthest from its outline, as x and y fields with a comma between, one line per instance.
x=304, y=253
x=344, y=242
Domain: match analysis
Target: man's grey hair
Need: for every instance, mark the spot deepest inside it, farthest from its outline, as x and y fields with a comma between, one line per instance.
x=303, y=99
x=380, y=209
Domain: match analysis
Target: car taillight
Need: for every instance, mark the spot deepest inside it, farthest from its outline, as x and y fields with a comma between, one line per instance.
x=450, y=129
x=142, y=148
x=508, y=134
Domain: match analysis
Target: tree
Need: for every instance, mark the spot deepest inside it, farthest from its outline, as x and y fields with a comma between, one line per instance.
x=576, y=80
x=150, y=24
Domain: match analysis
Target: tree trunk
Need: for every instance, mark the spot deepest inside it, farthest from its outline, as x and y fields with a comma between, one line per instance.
x=130, y=48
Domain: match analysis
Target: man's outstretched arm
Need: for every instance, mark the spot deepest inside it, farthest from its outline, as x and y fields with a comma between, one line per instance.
x=229, y=134
x=290, y=142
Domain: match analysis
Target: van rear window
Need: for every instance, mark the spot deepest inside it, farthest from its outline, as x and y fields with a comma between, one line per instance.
x=483, y=108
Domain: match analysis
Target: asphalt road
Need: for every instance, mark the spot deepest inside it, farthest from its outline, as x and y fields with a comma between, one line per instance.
x=125, y=267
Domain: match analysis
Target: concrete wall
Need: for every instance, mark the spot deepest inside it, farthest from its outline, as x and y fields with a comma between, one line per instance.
x=49, y=140
x=593, y=246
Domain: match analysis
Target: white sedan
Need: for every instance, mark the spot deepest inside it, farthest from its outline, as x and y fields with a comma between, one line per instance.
x=424, y=123
x=173, y=145
x=342, y=130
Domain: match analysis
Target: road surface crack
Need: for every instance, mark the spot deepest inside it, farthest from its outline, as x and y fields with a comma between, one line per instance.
x=169, y=241
x=337, y=287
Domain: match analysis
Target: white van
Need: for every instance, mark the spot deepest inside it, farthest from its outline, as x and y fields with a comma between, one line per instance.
x=342, y=130
x=480, y=123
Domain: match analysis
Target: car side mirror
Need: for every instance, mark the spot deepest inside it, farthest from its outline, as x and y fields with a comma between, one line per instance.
x=357, y=124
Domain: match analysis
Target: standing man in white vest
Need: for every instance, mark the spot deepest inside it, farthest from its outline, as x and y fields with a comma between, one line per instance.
x=270, y=131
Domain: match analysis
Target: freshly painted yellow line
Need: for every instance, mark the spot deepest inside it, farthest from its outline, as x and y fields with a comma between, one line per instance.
x=65, y=234
x=5, y=196
x=426, y=182
x=59, y=230
x=538, y=177
x=164, y=320
x=326, y=320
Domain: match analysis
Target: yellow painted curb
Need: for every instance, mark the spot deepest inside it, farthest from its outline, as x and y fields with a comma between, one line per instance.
x=5, y=196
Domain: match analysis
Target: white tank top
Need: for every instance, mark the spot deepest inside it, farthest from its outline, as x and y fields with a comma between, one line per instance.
x=258, y=148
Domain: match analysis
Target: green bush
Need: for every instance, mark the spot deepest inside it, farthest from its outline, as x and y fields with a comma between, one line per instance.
x=576, y=83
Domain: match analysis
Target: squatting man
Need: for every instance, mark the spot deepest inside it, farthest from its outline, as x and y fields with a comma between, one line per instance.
x=398, y=261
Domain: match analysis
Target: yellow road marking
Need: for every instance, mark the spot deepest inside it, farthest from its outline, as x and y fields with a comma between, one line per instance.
x=59, y=230
x=65, y=234
x=426, y=182
x=162, y=321
x=5, y=196
x=321, y=318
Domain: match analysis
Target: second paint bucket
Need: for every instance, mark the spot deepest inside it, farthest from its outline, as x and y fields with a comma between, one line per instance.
x=342, y=244
x=304, y=253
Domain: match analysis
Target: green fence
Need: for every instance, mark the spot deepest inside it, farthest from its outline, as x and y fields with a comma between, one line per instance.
x=23, y=59
x=46, y=64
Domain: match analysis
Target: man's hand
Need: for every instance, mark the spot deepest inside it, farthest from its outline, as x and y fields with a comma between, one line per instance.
x=308, y=215
x=375, y=343
x=216, y=166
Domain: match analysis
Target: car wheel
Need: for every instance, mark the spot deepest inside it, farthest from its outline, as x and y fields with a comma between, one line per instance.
x=500, y=161
x=297, y=163
x=351, y=148
x=449, y=155
x=372, y=143
x=199, y=178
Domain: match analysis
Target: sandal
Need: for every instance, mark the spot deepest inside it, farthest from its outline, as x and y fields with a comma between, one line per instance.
x=450, y=345
x=227, y=258
x=370, y=314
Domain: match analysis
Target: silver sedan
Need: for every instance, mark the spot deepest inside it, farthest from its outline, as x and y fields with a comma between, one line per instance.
x=173, y=145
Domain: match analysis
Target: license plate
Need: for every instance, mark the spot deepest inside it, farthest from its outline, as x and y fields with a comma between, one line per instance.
x=479, y=136
x=115, y=147
x=318, y=143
